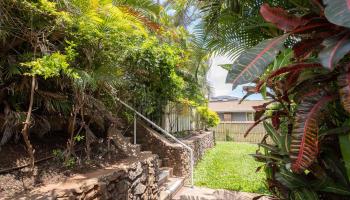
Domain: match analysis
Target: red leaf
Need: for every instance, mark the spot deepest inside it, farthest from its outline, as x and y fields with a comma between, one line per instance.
x=291, y=80
x=338, y=12
x=312, y=26
x=344, y=90
x=319, y=5
x=293, y=67
x=304, y=48
x=253, y=62
x=289, y=68
x=304, y=144
x=250, y=91
x=254, y=125
x=281, y=18
x=260, y=110
x=276, y=120
x=335, y=49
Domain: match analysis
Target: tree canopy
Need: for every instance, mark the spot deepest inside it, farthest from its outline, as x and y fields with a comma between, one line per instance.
x=61, y=59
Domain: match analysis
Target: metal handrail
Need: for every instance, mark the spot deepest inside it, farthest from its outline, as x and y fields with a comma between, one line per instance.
x=161, y=130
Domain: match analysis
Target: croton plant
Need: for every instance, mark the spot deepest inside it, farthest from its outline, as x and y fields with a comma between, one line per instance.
x=305, y=74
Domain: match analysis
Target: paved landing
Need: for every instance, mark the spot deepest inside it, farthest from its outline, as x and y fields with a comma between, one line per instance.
x=198, y=193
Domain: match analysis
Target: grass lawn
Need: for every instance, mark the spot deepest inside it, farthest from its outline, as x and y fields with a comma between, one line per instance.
x=228, y=166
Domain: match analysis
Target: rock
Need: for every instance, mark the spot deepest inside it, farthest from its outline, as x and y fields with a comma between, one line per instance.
x=140, y=189
x=122, y=186
x=151, y=171
x=135, y=183
x=115, y=175
x=144, y=177
x=111, y=187
x=136, y=173
x=102, y=189
x=91, y=195
x=87, y=188
x=136, y=198
x=122, y=197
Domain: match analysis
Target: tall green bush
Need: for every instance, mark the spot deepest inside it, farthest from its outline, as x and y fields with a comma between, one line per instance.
x=60, y=58
x=208, y=117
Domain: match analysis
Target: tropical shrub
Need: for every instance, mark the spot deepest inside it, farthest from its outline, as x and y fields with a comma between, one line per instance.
x=60, y=61
x=309, y=120
x=208, y=117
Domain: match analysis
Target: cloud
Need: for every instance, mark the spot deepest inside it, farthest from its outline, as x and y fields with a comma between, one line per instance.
x=217, y=79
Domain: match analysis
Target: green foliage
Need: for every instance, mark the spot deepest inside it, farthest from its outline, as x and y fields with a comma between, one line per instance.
x=78, y=138
x=344, y=143
x=50, y=66
x=208, y=117
x=75, y=49
x=232, y=26
x=58, y=154
x=70, y=162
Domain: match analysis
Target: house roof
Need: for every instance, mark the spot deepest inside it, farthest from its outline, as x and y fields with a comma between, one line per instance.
x=224, y=98
x=234, y=106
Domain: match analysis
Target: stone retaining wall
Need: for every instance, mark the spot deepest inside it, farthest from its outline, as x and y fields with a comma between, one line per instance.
x=134, y=179
x=200, y=143
x=173, y=154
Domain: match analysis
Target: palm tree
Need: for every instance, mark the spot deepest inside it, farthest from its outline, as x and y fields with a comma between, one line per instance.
x=232, y=26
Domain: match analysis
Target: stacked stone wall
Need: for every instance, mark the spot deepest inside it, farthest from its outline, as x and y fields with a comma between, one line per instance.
x=173, y=154
x=135, y=179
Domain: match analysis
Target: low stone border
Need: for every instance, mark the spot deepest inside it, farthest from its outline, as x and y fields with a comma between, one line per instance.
x=133, y=178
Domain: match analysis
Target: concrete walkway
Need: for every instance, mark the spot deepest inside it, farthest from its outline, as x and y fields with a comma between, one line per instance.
x=198, y=193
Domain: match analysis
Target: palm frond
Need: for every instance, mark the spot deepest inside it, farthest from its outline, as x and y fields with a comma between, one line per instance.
x=146, y=11
x=233, y=26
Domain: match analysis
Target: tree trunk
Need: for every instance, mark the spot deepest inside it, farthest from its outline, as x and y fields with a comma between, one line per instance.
x=25, y=130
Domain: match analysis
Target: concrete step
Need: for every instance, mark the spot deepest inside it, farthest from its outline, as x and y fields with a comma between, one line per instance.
x=147, y=152
x=170, y=188
x=196, y=193
x=164, y=174
x=170, y=169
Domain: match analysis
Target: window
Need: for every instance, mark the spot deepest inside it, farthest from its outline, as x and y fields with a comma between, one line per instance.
x=239, y=116
x=221, y=116
x=227, y=117
x=250, y=116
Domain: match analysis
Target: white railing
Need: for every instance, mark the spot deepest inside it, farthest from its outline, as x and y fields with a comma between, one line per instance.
x=136, y=113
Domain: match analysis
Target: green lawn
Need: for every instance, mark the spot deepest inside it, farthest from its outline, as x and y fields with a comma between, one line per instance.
x=228, y=166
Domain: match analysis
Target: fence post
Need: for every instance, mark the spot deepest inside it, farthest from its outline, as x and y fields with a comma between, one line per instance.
x=214, y=135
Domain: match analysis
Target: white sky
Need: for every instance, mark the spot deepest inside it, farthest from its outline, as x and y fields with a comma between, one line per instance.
x=217, y=79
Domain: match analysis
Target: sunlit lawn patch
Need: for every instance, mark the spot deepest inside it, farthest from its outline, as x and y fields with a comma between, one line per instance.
x=229, y=166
